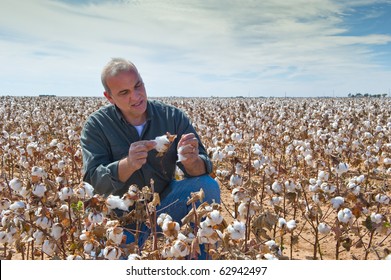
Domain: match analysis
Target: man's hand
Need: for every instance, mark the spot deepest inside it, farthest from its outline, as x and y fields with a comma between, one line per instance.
x=137, y=157
x=188, y=154
x=138, y=152
x=188, y=148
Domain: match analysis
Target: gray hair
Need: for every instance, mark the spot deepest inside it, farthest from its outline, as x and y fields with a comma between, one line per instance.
x=115, y=67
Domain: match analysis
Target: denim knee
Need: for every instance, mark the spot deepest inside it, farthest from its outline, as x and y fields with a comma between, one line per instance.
x=211, y=188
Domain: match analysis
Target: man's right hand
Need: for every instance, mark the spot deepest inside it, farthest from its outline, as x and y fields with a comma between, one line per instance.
x=137, y=157
x=138, y=152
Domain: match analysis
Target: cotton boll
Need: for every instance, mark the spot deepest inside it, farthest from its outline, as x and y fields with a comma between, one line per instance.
x=205, y=229
x=235, y=180
x=38, y=237
x=257, y=149
x=236, y=230
x=229, y=148
x=16, y=184
x=133, y=191
x=74, y=258
x=17, y=205
x=337, y=201
x=115, y=235
x=290, y=186
x=49, y=247
x=355, y=189
x=243, y=209
x=239, y=169
x=44, y=222
x=167, y=253
x=112, y=253
x=376, y=218
x=4, y=204
x=326, y=188
x=59, y=180
x=163, y=142
x=4, y=237
x=276, y=200
x=238, y=194
x=345, y=215
x=273, y=247
x=360, y=179
x=257, y=164
x=312, y=181
x=281, y=222
x=323, y=175
x=270, y=257
x=84, y=236
x=163, y=217
x=25, y=193
x=342, y=168
x=88, y=246
x=95, y=218
x=115, y=202
x=170, y=229
x=65, y=193
x=323, y=228
x=38, y=172
x=85, y=190
x=134, y=257
x=39, y=190
x=61, y=164
x=291, y=225
x=218, y=156
x=214, y=218
x=236, y=136
x=276, y=187
x=180, y=249
x=57, y=231
x=382, y=199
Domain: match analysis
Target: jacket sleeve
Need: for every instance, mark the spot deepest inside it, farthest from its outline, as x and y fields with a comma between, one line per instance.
x=98, y=166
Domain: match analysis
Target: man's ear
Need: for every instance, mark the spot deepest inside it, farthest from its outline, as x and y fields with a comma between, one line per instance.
x=108, y=97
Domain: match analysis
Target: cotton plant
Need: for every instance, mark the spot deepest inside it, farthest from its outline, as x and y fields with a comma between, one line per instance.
x=308, y=143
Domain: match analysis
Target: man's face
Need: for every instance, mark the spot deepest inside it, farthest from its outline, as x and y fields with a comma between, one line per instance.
x=128, y=93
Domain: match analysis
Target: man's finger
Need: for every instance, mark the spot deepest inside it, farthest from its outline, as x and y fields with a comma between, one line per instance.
x=148, y=144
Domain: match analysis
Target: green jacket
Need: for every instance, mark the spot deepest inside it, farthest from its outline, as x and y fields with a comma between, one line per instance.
x=106, y=138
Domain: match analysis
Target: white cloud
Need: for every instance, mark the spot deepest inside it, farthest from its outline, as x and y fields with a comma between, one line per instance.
x=198, y=47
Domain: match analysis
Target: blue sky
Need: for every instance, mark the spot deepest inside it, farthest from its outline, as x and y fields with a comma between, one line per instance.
x=198, y=48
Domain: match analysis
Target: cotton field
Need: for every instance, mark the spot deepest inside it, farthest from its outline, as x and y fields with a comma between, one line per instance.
x=300, y=179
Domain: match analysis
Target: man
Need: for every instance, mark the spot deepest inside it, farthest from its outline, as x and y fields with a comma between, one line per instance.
x=118, y=150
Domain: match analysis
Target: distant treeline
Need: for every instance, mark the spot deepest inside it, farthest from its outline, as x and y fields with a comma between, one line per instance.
x=367, y=95
x=47, y=95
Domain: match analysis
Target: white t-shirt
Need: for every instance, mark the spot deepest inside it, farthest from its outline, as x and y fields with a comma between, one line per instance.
x=139, y=128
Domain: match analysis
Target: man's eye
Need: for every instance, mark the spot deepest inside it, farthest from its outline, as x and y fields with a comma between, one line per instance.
x=139, y=85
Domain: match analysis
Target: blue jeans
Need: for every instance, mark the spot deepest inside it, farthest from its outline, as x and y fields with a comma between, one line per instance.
x=174, y=198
